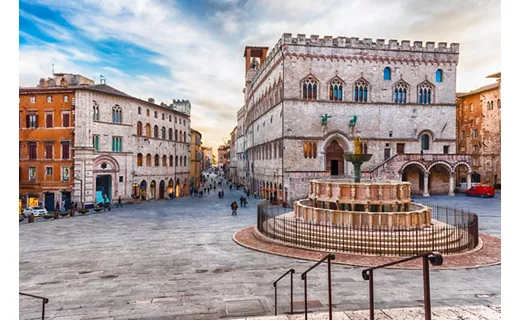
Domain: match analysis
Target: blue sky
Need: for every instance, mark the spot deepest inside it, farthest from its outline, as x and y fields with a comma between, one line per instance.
x=193, y=49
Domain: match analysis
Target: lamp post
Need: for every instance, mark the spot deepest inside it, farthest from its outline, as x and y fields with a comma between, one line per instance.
x=80, y=191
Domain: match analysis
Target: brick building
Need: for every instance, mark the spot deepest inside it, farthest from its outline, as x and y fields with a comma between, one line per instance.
x=308, y=99
x=479, y=132
x=195, y=158
x=46, y=134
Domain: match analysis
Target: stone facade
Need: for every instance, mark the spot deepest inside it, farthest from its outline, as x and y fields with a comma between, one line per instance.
x=479, y=131
x=129, y=148
x=399, y=98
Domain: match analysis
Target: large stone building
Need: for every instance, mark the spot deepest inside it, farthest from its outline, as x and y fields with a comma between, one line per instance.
x=223, y=158
x=240, y=148
x=207, y=157
x=195, y=158
x=232, y=163
x=46, y=134
x=309, y=98
x=112, y=144
x=479, y=132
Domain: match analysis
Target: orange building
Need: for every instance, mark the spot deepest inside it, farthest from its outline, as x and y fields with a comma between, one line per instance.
x=46, y=135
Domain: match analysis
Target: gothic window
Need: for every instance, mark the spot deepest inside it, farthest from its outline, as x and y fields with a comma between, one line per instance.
x=139, y=128
x=425, y=93
x=425, y=142
x=139, y=160
x=400, y=92
x=336, y=90
x=95, y=111
x=156, y=132
x=176, y=161
x=117, y=114
x=138, y=110
x=361, y=91
x=164, y=161
x=176, y=136
x=184, y=136
x=171, y=161
x=149, y=160
x=438, y=75
x=163, y=133
x=314, y=150
x=387, y=74
x=148, y=130
x=147, y=112
x=310, y=89
x=156, y=160
x=170, y=134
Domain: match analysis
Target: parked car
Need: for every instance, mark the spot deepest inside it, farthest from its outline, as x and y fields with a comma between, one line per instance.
x=36, y=211
x=481, y=191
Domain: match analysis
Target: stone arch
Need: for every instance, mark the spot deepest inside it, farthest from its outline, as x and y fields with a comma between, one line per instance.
x=341, y=139
x=153, y=190
x=410, y=163
x=142, y=190
x=111, y=161
x=444, y=163
x=463, y=163
x=426, y=131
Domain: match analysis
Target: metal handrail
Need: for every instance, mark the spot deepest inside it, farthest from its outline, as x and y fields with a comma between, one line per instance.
x=328, y=257
x=291, y=271
x=434, y=258
x=44, y=301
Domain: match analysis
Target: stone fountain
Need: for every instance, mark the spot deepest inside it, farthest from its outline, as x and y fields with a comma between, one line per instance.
x=357, y=159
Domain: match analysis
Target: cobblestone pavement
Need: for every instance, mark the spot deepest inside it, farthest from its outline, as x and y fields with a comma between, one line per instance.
x=177, y=260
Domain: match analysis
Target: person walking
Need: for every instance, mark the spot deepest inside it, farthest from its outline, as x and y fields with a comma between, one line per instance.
x=57, y=206
x=234, y=207
x=119, y=202
x=241, y=201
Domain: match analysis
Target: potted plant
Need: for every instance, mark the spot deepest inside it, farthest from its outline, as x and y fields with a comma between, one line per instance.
x=83, y=211
x=97, y=210
x=48, y=216
x=64, y=213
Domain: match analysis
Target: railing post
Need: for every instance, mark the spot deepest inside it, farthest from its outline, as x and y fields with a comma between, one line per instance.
x=305, y=293
x=275, y=300
x=292, y=273
x=426, y=284
x=371, y=293
x=330, y=288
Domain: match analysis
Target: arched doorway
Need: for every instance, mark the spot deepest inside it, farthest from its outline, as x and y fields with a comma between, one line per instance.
x=153, y=190
x=142, y=190
x=334, y=159
x=439, y=179
x=177, y=188
x=162, y=185
x=280, y=192
x=103, y=188
x=414, y=173
x=170, y=188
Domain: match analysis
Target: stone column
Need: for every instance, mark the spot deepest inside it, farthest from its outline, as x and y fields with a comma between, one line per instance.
x=452, y=184
x=468, y=179
x=425, y=192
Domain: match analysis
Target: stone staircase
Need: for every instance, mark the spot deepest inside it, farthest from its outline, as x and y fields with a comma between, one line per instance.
x=439, y=237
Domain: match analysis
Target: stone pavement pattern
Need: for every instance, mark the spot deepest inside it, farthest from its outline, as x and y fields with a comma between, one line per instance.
x=177, y=259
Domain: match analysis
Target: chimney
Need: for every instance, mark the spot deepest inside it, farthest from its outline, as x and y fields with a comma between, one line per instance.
x=151, y=100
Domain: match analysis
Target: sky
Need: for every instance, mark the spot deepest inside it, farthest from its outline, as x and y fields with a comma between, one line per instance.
x=193, y=50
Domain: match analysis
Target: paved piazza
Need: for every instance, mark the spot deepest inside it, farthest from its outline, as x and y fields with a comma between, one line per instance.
x=177, y=260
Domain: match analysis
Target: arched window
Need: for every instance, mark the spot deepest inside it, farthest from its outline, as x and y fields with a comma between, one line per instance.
x=491, y=105
x=149, y=160
x=164, y=161
x=425, y=142
x=184, y=136
x=139, y=160
x=336, y=90
x=314, y=150
x=310, y=89
x=498, y=104
x=361, y=91
x=139, y=128
x=148, y=130
x=163, y=133
x=438, y=75
x=138, y=110
x=156, y=132
x=400, y=92
x=425, y=93
x=147, y=112
x=117, y=114
x=176, y=161
x=156, y=160
x=95, y=111
x=171, y=161
x=170, y=134
x=471, y=109
x=176, y=135
x=387, y=74
x=185, y=161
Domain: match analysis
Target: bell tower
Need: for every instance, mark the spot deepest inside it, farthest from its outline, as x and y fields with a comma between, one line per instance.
x=254, y=57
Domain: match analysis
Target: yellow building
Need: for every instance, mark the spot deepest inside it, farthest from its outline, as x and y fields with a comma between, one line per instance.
x=196, y=159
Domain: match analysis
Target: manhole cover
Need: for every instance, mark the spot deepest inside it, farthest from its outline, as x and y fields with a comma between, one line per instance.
x=237, y=308
x=311, y=304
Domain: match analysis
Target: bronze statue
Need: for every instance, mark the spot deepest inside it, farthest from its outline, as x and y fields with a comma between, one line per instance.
x=357, y=145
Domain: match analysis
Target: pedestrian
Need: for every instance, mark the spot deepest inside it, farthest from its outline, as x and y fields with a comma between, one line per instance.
x=234, y=207
x=230, y=187
x=241, y=201
x=201, y=193
x=58, y=206
x=119, y=202
x=247, y=193
x=245, y=202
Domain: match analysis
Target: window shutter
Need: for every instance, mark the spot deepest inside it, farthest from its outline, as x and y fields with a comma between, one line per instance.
x=28, y=120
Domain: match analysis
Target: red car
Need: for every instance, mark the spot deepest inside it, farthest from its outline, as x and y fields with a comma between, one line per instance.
x=481, y=191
